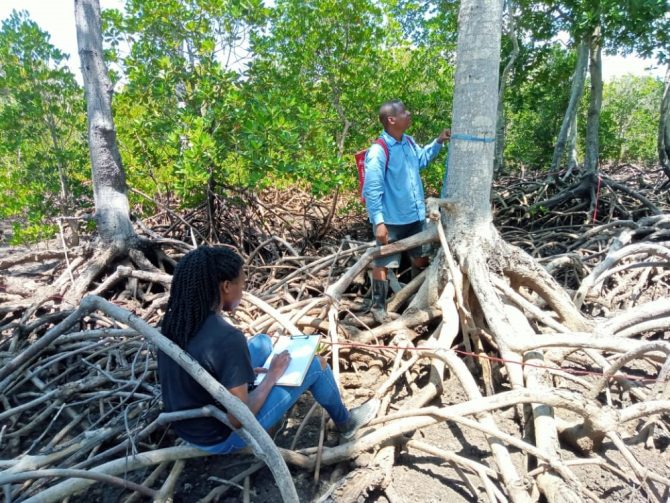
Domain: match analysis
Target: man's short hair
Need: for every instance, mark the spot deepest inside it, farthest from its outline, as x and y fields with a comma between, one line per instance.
x=389, y=109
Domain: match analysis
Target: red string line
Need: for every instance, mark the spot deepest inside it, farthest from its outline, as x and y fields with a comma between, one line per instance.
x=491, y=358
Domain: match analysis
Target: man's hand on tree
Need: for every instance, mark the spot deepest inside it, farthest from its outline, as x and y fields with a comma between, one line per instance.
x=445, y=135
x=382, y=234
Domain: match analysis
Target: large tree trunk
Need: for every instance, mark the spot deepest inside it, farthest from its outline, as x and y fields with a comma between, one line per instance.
x=569, y=119
x=482, y=255
x=469, y=229
x=663, y=141
x=470, y=169
x=109, y=182
x=595, y=103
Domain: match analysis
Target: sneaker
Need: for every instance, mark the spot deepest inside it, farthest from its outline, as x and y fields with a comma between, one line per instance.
x=359, y=417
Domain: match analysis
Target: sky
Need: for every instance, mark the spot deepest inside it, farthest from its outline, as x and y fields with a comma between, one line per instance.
x=57, y=18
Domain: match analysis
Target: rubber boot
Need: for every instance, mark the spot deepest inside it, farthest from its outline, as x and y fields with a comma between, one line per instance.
x=380, y=290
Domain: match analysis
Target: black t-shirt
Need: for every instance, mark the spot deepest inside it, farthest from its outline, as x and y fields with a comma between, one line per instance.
x=222, y=351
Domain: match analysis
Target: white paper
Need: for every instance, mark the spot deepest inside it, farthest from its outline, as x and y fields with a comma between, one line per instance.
x=302, y=349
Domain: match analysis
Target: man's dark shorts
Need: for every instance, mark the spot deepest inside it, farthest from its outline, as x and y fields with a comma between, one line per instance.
x=396, y=233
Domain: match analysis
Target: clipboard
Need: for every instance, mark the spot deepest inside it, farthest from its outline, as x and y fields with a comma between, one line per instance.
x=302, y=349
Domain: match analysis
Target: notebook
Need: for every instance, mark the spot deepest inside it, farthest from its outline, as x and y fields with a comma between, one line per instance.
x=302, y=349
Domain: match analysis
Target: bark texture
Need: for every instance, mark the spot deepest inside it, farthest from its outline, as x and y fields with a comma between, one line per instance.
x=569, y=119
x=109, y=180
x=474, y=115
x=595, y=102
x=664, y=126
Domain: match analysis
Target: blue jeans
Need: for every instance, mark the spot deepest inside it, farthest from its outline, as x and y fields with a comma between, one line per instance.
x=320, y=382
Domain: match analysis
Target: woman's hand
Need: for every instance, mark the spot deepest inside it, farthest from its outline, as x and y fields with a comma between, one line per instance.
x=257, y=397
x=278, y=365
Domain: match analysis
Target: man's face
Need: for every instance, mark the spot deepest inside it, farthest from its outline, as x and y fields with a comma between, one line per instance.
x=402, y=120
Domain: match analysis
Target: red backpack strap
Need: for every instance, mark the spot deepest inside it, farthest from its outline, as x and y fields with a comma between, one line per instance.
x=410, y=141
x=382, y=143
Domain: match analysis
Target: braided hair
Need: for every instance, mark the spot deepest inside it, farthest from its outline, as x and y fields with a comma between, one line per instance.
x=195, y=290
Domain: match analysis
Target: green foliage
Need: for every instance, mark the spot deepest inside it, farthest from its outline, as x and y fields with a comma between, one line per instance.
x=316, y=71
x=431, y=23
x=179, y=110
x=626, y=26
x=535, y=108
x=329, y=80
x=305, y=102
x=623, y=27
x=238, y=92
x=43, y=156
x=629, y=119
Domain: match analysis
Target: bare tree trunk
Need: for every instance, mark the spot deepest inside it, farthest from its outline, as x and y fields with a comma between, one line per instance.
x=346, y=123
x=663, y=141
x=65, y=200
x=474, y=115
x=500, y=124
x=468, y=226
x=341, y=140
x=573, y=162
x=595, y=104
x=58, y=150
x=569, y=119
x=109, y=182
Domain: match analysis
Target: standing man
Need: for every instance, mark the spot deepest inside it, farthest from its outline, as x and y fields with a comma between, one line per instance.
x=394, y=195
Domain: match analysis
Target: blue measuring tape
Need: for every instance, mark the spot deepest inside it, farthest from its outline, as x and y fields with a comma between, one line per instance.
x=469, y=137
x=463, y=137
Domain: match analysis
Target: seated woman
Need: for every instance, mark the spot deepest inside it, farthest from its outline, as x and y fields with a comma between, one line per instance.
x=206, y=281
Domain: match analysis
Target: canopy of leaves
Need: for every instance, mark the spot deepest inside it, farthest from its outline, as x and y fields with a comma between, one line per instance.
x=246, y=93
x=629, y=119
x=42, y=130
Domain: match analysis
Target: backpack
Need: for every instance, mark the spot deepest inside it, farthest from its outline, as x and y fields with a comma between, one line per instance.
x=360, y=162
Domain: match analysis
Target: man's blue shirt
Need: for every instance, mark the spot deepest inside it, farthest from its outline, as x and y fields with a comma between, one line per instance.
x=396, y=197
